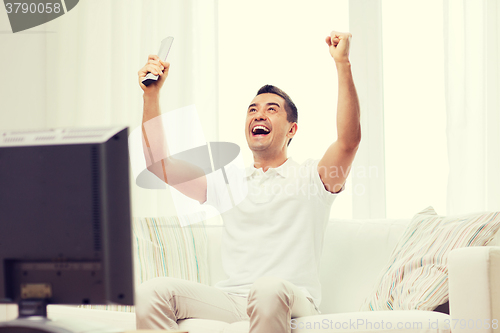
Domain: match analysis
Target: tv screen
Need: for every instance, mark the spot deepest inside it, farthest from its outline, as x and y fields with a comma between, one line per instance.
x=65, y=221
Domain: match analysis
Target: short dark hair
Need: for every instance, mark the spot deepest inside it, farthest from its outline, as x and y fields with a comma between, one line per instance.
x=292, y=115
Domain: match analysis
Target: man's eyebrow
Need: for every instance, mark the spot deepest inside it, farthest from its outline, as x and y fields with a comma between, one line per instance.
x=268, y=104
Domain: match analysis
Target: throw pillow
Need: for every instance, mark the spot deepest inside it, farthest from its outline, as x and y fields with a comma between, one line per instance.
x=163, y=247
x=495, y=241
x=416, y=277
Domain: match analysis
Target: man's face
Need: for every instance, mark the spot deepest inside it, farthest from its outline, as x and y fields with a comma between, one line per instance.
x=266, y=126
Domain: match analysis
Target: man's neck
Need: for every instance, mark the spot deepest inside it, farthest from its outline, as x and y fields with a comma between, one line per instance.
x=269, y=162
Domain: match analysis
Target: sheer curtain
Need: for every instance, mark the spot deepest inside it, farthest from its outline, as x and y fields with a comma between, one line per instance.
x=93, y=54
x=472, y=82
x=472, y=74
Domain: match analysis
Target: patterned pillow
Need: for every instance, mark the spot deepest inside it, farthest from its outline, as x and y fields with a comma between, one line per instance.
x=162, y=247
x=416, y=277
x=495, y=241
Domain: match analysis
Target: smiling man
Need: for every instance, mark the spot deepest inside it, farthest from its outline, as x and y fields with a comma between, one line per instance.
x=272, y=240
x=271, y=123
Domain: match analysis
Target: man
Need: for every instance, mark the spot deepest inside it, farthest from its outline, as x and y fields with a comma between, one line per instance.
x=272, y=239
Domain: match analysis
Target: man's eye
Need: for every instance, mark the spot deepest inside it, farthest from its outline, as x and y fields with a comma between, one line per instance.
x=252, y=110
x=272, y=109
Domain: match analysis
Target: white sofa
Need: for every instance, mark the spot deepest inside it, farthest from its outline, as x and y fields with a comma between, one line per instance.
x=354, y=253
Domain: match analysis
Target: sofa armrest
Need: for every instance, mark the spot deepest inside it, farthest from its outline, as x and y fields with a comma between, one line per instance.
x=474, y=287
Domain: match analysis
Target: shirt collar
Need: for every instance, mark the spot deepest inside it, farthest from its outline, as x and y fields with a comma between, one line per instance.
x=282, y=170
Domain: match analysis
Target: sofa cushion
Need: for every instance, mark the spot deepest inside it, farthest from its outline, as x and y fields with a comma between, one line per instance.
x=352, y=322
x=354, y=253
x=416, y=276
x=194, y=325
x=370, y=322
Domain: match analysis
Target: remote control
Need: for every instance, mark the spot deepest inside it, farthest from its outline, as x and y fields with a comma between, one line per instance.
x=162, y=54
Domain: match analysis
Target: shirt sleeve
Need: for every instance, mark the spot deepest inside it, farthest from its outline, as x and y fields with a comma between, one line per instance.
x=326, y=196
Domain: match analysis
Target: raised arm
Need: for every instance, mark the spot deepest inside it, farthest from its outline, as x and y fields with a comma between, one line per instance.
x=335, y=165
x=185, y=177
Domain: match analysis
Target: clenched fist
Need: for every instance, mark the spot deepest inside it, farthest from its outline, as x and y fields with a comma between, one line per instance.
x=339, y=43
x=157, y=67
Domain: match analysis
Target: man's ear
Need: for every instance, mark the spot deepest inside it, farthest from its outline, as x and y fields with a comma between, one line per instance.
x=292, y=131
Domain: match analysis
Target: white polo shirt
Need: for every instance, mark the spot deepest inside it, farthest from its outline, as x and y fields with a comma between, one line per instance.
x=276, y=228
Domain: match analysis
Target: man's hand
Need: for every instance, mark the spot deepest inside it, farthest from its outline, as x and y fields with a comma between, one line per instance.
x=339, y=43
x=157, y=67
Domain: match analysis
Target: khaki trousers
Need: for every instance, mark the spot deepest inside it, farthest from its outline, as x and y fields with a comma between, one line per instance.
x=270, y=305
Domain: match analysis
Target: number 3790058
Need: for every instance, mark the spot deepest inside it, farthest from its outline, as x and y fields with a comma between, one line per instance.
x=471, y=323
x=32, y=8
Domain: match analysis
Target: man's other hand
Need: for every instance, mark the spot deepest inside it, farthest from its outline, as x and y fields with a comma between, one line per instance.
x=156, y=67
x=339, y=43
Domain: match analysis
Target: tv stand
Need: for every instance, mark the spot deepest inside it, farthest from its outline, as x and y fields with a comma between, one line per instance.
x=32, y=318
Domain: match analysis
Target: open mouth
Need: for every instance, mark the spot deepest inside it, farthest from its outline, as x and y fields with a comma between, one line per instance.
x=260, y=130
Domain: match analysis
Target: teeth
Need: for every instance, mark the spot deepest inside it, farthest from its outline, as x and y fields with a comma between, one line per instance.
x=260, y=127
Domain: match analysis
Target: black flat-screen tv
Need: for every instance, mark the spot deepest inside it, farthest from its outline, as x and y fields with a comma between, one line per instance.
x=65, y=217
